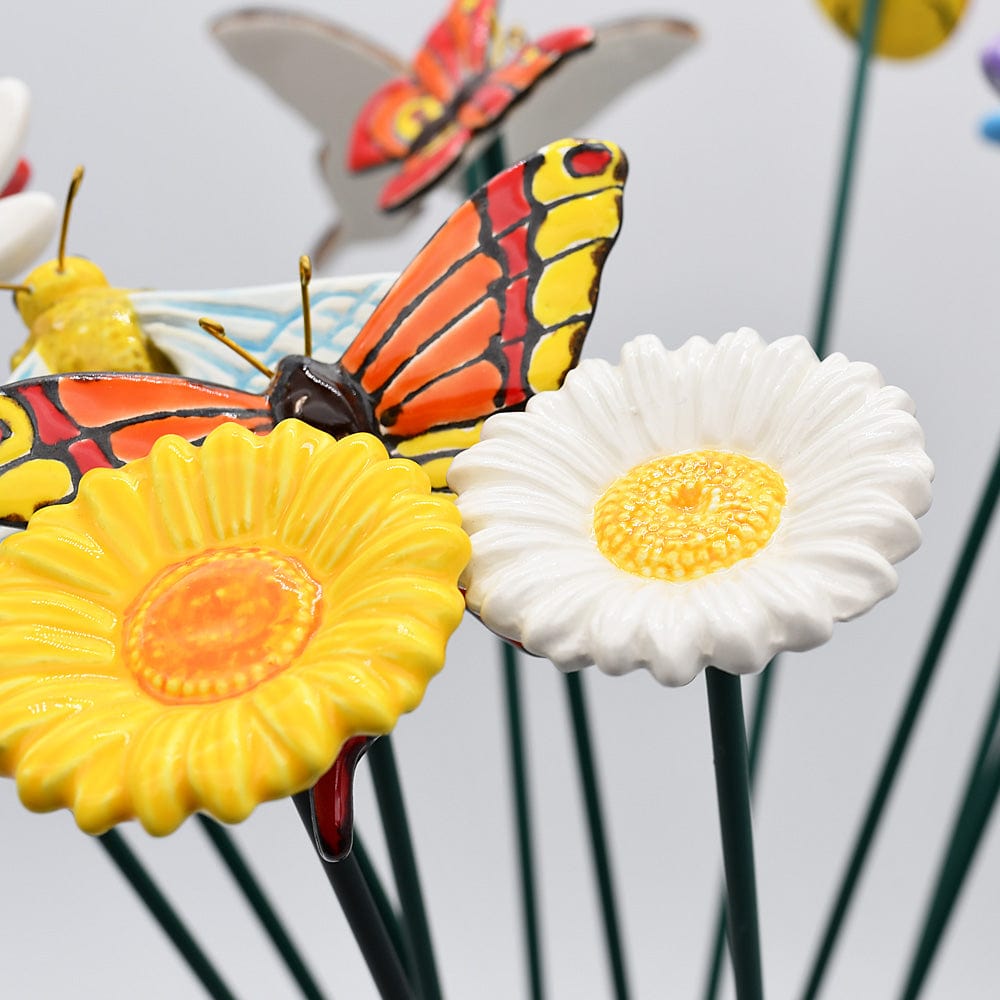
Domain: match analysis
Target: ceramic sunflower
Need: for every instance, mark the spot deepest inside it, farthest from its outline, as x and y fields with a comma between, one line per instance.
x=205, y=627
x=711, y=505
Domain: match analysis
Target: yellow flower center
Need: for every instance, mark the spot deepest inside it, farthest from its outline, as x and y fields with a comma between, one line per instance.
x=218, y=624
x=684, y=516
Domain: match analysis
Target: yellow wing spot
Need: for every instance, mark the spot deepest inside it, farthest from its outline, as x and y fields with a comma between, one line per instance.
x=29, y=486
x=565, y=287
x=19, y=434
x=581, y=220
x=907, y=29
x=553, y=182
x=437, y=472
x=446, y=439
x=555, y=355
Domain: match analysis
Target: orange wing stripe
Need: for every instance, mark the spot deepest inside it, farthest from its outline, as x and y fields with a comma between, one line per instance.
x=458, y=292
x=464, y=396
x=464, y=342
x=94, y=402
x=456, y=239
x=136, y=440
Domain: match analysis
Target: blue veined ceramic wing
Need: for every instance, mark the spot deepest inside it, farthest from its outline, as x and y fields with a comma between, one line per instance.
x=267, y=321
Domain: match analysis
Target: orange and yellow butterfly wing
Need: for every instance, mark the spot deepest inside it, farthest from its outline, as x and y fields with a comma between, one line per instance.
x=496, y=305
x=401, y=114
x=56, y=428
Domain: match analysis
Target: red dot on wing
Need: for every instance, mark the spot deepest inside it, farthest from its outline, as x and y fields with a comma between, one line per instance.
x=587, y=160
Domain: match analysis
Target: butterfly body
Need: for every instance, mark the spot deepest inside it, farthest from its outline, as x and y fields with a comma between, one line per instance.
x=493, y=310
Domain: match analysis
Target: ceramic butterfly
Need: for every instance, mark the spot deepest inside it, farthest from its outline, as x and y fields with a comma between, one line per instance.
x=27, y=218
x=990, y=61
x=327, y=72
x=493, y=310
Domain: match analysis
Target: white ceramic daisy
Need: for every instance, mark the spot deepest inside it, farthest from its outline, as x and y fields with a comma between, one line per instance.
x=711, y=505
x=27, y=218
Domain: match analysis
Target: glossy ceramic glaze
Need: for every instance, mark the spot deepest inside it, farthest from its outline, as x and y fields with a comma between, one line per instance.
x=239, y=611
x=711, y=505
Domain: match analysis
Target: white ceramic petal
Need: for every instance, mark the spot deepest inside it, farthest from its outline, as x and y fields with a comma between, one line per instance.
x=849, y=450
x=27, y=223
x=15, y=110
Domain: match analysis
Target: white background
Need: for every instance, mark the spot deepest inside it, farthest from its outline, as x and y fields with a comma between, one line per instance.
x=197, y=177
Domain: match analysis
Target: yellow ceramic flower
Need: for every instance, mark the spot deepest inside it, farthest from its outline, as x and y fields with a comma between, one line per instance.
x=906, y=29
x=204, y=628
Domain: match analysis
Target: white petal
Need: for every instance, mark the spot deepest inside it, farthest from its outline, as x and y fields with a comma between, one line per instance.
x=15, y=108
x=27, y=223
x=849, y=448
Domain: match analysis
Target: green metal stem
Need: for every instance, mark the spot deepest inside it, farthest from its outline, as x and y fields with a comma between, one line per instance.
x=866, y=43
x=820, y=339
x=598, y=838
x=758, y=727
x=970, y=823
x=384, y=906
x=158, y=906
x=259, y=903
x=392, y=809
x=732, y=784
x=355, y=898
x=522, y=813
x=904, y=727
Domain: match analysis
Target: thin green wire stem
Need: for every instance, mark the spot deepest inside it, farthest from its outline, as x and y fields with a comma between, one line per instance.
x=866, y=43
x=758, y=726
x=392, y=809
x=356, y=901
x=385, y=907
x=522, y=814
x=732, y=785
x=159, y=907
x=820, y=339
x=233, y=859
x=598, y=839
x=970, y=822
x=905, y=725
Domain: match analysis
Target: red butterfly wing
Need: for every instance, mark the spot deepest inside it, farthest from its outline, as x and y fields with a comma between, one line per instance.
x=403, y=113
x=510, y=81
x=425, y=166
x=54, y=429
x=457, y=49
x=494, y=308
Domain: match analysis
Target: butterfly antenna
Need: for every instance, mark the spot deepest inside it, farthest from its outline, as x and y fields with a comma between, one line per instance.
x=74, y=186
x=305, y=276
x=218, y=331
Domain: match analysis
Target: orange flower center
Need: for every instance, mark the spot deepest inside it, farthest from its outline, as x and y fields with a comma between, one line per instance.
x=684, y=516
x=220, y=623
